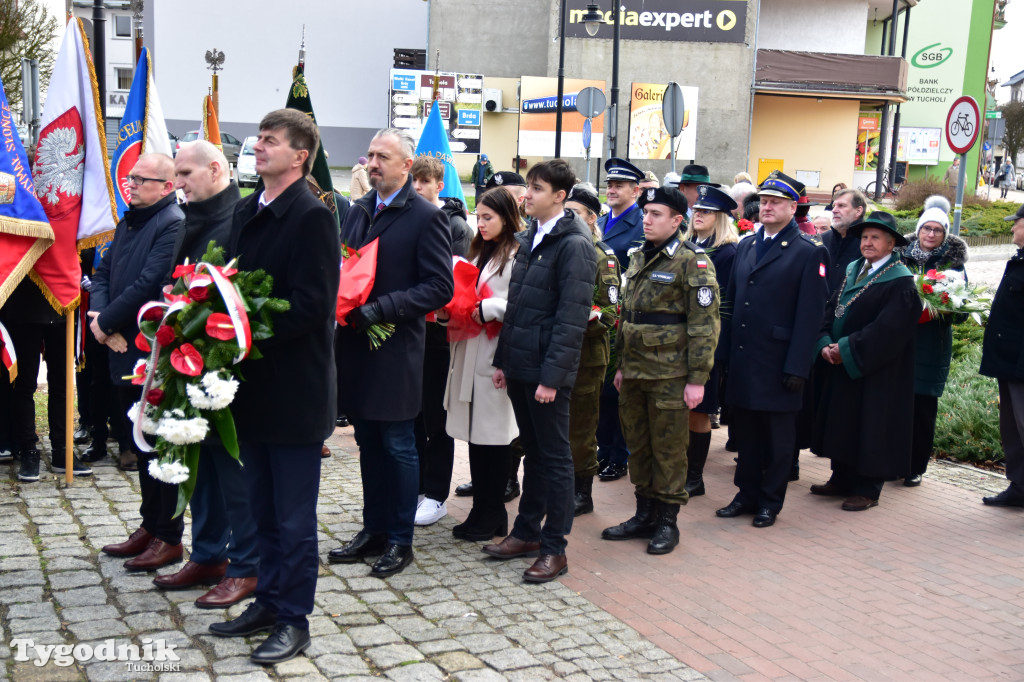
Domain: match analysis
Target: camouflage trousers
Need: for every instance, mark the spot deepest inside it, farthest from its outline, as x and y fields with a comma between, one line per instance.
x=584, y=410
x=655, y=423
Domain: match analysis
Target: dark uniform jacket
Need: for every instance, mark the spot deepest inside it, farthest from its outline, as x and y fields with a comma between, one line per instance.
x=722, y=257
x=289, y=394
x=865, y=418
x=414, y=277
x=1002, y=354
x=548, y=305
x=676, y=280
x=775, y=306
x=596, y=349
x=626, y=233
x=205, y=221
x=131, y=273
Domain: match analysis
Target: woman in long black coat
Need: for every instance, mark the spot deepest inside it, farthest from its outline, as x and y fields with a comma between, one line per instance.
x=864, y=419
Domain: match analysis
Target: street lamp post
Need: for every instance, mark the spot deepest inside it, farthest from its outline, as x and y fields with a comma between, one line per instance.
x=561, y=79
x=593, y=20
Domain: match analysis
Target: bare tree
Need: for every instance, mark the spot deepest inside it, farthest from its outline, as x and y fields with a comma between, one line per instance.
x=26, y=29
x=1013, y=131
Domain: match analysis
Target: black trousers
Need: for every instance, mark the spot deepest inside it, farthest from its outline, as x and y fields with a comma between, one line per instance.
x=611, y=444
x=766, y=443
x=488, y=469
x=435, y=447
x=926, y=409
x=102, y=406
x=856, y=484
x=30, y=340
x=159, y=499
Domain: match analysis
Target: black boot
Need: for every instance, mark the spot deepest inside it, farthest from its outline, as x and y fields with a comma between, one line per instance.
x=641, y=525
x=29, y=470
x=584, y=501
x=696, y=456
x=666, y=536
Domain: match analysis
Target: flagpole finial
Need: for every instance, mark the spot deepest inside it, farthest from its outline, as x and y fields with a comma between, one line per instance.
x=302, y=48
x=215, y=60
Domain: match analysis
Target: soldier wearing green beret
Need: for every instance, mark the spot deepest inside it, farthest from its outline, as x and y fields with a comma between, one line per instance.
x=668, y=331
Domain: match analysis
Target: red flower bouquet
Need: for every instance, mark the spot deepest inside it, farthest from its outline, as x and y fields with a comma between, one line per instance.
x=358, y=272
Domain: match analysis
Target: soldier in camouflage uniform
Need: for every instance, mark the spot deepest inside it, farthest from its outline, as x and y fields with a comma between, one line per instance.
x=667, y=335
x=585, y=401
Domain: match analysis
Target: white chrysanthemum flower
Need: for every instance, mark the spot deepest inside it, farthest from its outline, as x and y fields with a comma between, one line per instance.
x=197, y=397
x=182, y=431
x=219, y=390
x=149, y=425
x=156, y=469
x=174, y=472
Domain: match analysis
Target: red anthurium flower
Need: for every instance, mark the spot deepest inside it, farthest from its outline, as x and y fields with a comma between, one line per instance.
x=142, y=343
x=219, y=326
x=153, y=314
x=165, y=335
x=227, y=272
x=155, y=396
x=927, y=288
x=187, y=360
x=183, y=270
x=138, y=375
x=199, y=294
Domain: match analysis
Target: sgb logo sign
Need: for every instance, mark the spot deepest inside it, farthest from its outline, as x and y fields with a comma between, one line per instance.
x=931, y=56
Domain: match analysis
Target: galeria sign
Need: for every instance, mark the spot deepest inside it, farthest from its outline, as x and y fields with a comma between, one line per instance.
x=709, y=21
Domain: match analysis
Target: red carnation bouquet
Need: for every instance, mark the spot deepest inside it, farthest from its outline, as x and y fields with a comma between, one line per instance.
x=744, y=226
x=946, y=292
x=358, y=273
x=195, y=337
x=465, y=300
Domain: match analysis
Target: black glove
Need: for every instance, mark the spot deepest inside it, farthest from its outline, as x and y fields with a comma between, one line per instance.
x=365, y=316
x=793, y=383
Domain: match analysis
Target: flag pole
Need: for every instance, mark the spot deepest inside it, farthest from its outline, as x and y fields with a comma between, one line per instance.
x=69, y=395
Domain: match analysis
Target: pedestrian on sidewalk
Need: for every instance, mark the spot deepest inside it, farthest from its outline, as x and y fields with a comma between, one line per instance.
x=1005, y=179
x=482, y=172
x=537, y=356
x=360, y=184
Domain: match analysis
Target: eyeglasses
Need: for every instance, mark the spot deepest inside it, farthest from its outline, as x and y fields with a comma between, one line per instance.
x=932, y=230
x=703, y=211
x=140, y=180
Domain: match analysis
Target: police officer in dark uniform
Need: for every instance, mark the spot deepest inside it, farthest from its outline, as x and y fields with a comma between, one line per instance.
x=776, y=296
x=621, y=229
x=584, y=403
x=667, y=336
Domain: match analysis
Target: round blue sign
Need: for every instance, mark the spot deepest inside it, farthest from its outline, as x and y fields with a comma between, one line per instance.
x=586, y=134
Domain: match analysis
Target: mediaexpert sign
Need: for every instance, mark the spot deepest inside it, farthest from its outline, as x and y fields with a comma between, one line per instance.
x=707, y=21
x=460, y=98
x=648, y=136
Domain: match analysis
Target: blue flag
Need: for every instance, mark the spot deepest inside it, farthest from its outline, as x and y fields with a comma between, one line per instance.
x=434, y=142
x=25, y=231
x=130, y=133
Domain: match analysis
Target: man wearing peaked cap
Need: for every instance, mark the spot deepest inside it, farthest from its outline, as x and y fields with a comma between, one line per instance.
x=621, y=229
x=781, y=185
x=693, y=176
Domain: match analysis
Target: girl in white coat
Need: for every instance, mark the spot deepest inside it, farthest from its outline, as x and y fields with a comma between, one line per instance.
x=479, y=413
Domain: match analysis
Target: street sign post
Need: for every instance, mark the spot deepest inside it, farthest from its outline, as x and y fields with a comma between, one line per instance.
x=586, y=143
x=673, y=111
x=590, y=103
x=962, y=126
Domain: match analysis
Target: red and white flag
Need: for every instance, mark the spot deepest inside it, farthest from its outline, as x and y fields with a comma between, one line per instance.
x=72, y=175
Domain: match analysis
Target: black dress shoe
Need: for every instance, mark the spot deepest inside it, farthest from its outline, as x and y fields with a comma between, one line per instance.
x=255, y=618
x=464, y=490
x=394, y=559
x=612, y=472
x=362, y=545
x=734, y=509
x=94, y=453
x=81, y=435
x=512, y=490
x=342, y=421
x=912, y=481
x=1007, y=498
x=285, y=643
x=765, y=517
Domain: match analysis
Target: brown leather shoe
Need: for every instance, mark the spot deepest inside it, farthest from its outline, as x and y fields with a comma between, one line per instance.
x=227, y=592
x=128, y=461
x=828, y=489
x=511, y=547
x=192, y=574
x=136, y=544
x=325, y=451
x=546, y=568
x=859, y=503
x=157, y=555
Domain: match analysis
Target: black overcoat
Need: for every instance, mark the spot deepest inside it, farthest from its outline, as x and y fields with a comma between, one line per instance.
x=1002, y=355
x=841, y=252
x=865, y=418
x=289, y=394
x=772, y=316
x=414, y=277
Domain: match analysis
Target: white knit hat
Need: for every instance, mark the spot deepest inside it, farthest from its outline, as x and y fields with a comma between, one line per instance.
x=934, y=215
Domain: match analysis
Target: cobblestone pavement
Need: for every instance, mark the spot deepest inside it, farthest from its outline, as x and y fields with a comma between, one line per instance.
x=452, y=615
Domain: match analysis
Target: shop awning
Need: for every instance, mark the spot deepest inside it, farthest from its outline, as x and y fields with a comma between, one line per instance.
x=820, y=74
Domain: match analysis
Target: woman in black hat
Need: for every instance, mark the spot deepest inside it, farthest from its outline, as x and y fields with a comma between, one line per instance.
x=711, y=229
x=864, y=420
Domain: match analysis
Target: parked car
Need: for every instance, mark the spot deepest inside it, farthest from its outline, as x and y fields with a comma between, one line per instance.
x=174, y=142
x=245, y=169
x=229, y=142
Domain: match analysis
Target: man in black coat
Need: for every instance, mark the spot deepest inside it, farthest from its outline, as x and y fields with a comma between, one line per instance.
x=1002, y=357
x=776, y=295
x=843, y=242
x=131, y=274
x=223, y=528
x=385, y=386
x=286, y=406
x=538, y=352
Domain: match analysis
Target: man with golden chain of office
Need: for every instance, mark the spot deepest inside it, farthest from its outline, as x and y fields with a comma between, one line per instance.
x=667, y=335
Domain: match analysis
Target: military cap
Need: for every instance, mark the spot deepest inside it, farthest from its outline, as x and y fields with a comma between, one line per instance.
x=1016, y=216
x=588, y=199
x=694, y=173
x=780, y=185
x=669, y=196
x=714, y=199
x=620, y=169
x=883, y=221
x=506, y=179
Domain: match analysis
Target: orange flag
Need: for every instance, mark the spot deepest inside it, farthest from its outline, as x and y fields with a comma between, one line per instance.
x=211, y=129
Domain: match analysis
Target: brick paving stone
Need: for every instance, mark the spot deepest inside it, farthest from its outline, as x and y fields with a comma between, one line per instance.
x=417, y=672
x=390, y=655
x=335, y=665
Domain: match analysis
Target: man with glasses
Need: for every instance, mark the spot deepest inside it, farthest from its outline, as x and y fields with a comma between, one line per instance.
x=130, y=274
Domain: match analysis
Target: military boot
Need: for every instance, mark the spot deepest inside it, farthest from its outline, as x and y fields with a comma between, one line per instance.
x=641, y=525
x=666, y=536
x=584, y=500
x=696, y=456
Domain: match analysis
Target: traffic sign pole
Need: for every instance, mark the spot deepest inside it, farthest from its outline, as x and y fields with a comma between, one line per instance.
x=962, y=126
x=959, y=208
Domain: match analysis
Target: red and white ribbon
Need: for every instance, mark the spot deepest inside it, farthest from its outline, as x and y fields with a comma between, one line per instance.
x=233, y=304
x=10, y=358
x=154, y=356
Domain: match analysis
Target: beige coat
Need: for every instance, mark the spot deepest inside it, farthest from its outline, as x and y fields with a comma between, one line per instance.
x=360, y=184
x=477, y=412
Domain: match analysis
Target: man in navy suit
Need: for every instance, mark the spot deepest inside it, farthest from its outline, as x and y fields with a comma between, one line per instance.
x=622, y=229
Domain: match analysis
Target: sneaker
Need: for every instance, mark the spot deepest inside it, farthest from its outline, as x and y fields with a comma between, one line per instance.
x=430, y=511
x=6, y=454
x=79, y=469
x=29, y=471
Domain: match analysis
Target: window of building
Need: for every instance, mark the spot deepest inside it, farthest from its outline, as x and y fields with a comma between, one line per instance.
x=124, y=77
x=123, y=26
